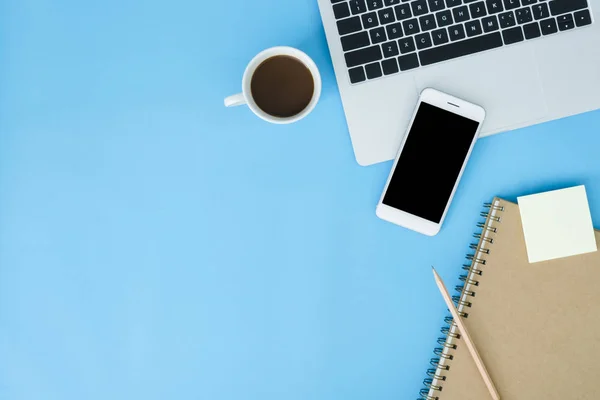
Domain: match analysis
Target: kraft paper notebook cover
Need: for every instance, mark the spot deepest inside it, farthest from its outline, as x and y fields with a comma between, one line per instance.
x=536, y=326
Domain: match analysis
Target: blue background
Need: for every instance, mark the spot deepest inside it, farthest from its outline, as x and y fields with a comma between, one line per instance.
x=155, y=245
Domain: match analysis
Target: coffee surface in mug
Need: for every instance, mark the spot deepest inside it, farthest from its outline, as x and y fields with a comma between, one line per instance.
x=282, y=86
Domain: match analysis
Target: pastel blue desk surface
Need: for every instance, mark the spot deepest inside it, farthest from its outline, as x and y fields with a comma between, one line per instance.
x=156, y=245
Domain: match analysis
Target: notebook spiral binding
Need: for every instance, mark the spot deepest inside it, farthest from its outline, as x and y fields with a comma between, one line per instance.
x=467, y=290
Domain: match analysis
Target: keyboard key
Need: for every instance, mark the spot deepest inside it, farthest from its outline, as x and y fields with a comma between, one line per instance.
x=462, y=48
x=374, y=5
x=411, y=27
x=565, y=22
x=436, y=5
x=540, y=11
x=336, y=1
x=386, y=16
x=444, y=18
x=453, y=3
x=532, y=30
x=511, y=4
x=457, y=32
x=490, y=24
x=473, y=28
x=391, y=2
x=390, y=49
x=524, y=15
x=377, y=35
x=390, y=66
x=357, y=6
x=363, y=56
x=419, y=7
x=373, y=70
x=408, y=61
x=406, y=45
x=370, y=20
x=355, y=41
x=427, y=22
x=507, y=19
x=478, y=10
x=494, y=6
x=549, y=26
x=423, y=41
x=403, y=12
x=564, y=18
x=529, y=2
x=513, y=35
x=440, y=36
x=461, y=14
x=394, y=31
x=357, y=75
x=341, y=10
x=558, y=7
x=349, y=25
x=583, y=18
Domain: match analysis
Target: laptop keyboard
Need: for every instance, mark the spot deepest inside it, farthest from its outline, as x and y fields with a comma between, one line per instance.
x=385, y=37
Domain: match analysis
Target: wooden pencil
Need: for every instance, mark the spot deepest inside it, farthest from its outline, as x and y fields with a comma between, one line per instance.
x=466, y=337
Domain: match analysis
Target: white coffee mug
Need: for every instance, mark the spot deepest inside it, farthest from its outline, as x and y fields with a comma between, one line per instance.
x=246, y=96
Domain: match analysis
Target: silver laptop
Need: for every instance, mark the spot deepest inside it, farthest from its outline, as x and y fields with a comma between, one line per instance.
x=524, y=61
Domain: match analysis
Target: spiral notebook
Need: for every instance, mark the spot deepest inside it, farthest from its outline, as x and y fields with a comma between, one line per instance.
x=536, y=326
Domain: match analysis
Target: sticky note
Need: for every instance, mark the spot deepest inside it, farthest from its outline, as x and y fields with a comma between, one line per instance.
x=557, y=224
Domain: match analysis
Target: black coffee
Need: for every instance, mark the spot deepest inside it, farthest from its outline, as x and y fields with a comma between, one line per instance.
x=282, y=86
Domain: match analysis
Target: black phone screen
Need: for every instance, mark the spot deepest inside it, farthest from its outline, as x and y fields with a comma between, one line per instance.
x=434, y=153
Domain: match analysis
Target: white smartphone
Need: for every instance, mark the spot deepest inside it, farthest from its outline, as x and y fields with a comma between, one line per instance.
x=430, y=162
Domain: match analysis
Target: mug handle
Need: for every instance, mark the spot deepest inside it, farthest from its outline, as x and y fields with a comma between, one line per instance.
x=235, y=100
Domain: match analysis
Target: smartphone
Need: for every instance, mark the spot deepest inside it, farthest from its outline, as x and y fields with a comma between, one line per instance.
x=430, y=162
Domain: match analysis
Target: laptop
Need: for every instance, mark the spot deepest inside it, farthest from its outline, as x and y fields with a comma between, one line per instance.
x=524, y=61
